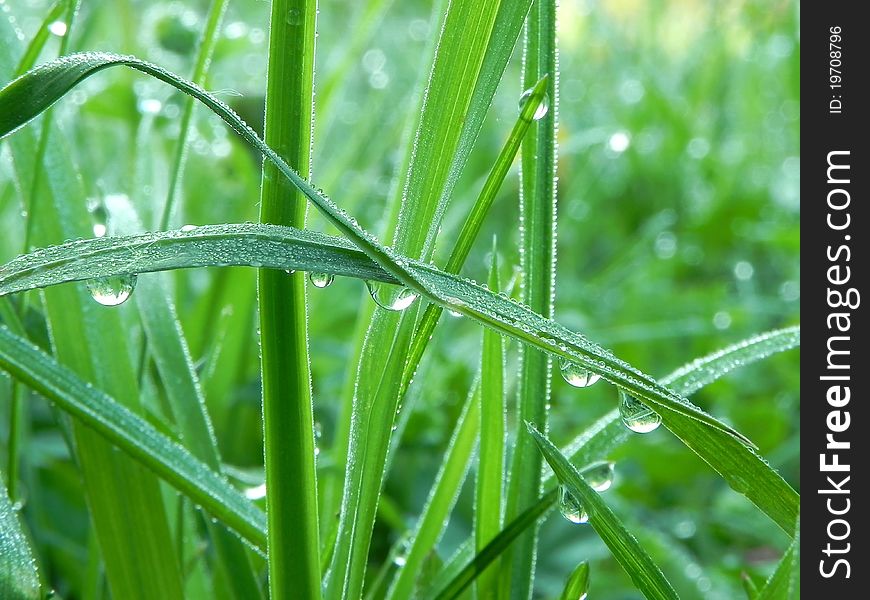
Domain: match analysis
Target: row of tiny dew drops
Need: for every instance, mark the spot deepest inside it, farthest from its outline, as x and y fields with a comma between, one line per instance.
x=636, y=416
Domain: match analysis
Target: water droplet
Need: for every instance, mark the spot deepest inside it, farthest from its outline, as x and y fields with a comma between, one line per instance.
x=453, y=313
x=188, y=228
x=400, y=560
x=294, y=16
x=576, y=375
x=391, y=297
x=636, y=415
x=57, y=28
x=256, y=492
x=289, y=271
x=599, y=476
x=112, y=291
x=570, y=508
x=321, y=280
x=543, y=107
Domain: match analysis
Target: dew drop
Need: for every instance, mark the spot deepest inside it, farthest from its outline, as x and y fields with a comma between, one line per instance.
x=576, y=375
x=454, y=313
x=636, y=415
x=187, y=228
x=321, y=280
x=542, y=109
x=294, y=16
x=57, y=28
x=391, y=297
x=570, y=507
x=599, y=476
x=289, y=271
x=112, y=291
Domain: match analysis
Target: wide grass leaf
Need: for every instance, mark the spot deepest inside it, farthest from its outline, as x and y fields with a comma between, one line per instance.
x=625, y=548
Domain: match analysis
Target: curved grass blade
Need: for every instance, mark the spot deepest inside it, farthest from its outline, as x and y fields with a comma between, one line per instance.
x=133, y=435
x=646, y=576
x=287, y=248
x=25, y=97
x=18, y=577
x=607, y=433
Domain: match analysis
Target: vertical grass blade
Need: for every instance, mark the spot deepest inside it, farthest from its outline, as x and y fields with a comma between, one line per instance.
x=538, y=262
x=288, y=416
x=490, y=471
x=646, y=576
x=577, y=584
x=18, y=577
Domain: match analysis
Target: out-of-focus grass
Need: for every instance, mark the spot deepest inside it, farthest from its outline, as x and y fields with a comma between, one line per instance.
x=678, y=233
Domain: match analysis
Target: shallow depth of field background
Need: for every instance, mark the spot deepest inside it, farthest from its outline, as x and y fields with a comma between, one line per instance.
x=678, y=234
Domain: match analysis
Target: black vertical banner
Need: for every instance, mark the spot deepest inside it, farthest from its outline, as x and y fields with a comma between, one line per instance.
x=835, y=260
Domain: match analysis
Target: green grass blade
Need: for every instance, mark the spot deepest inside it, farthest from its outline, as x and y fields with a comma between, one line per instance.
x=785, y=583
x=37, y=42
x=207, y=42
x=739, y=466
x=132, y=434
x=490, y=472
x=538, y=264
x=288, y=413
x=27, y=96
x=18, y=577
x=442, y=497
x=646, y=576
x=577, y=584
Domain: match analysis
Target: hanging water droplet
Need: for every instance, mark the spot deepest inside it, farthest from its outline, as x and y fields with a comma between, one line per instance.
x=453, y=313
x=391, y=297
x=112, y=291
x=570, y=507
x=57, y=28
x=543, y=107
x=636, y=415
x=599, y=476
x=294, y=16
x=289, y=271
x=576, y=375
x=321, y=280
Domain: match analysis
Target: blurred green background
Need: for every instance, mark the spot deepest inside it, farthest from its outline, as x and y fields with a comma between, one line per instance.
x=678, y=234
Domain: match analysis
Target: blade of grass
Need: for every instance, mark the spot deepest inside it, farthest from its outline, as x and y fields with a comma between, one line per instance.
x=132, y=434
x=288, y=413
x=462, y=44
x=490, y=470
x=785, y=583
x=577, y=584
x=538, y=264
x=442, y=497
x=123, y=498
x=646, y=576
x=18, y=576
x=44, y=85
x=37, y=42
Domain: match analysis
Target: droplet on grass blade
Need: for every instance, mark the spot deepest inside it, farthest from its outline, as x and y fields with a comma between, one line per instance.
x=112, y=291
x=576, y=375
x=570, y=507
x=542, y=109
x=321, y=280
x=391, y=297
x=636, y=415
x=599, y=476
